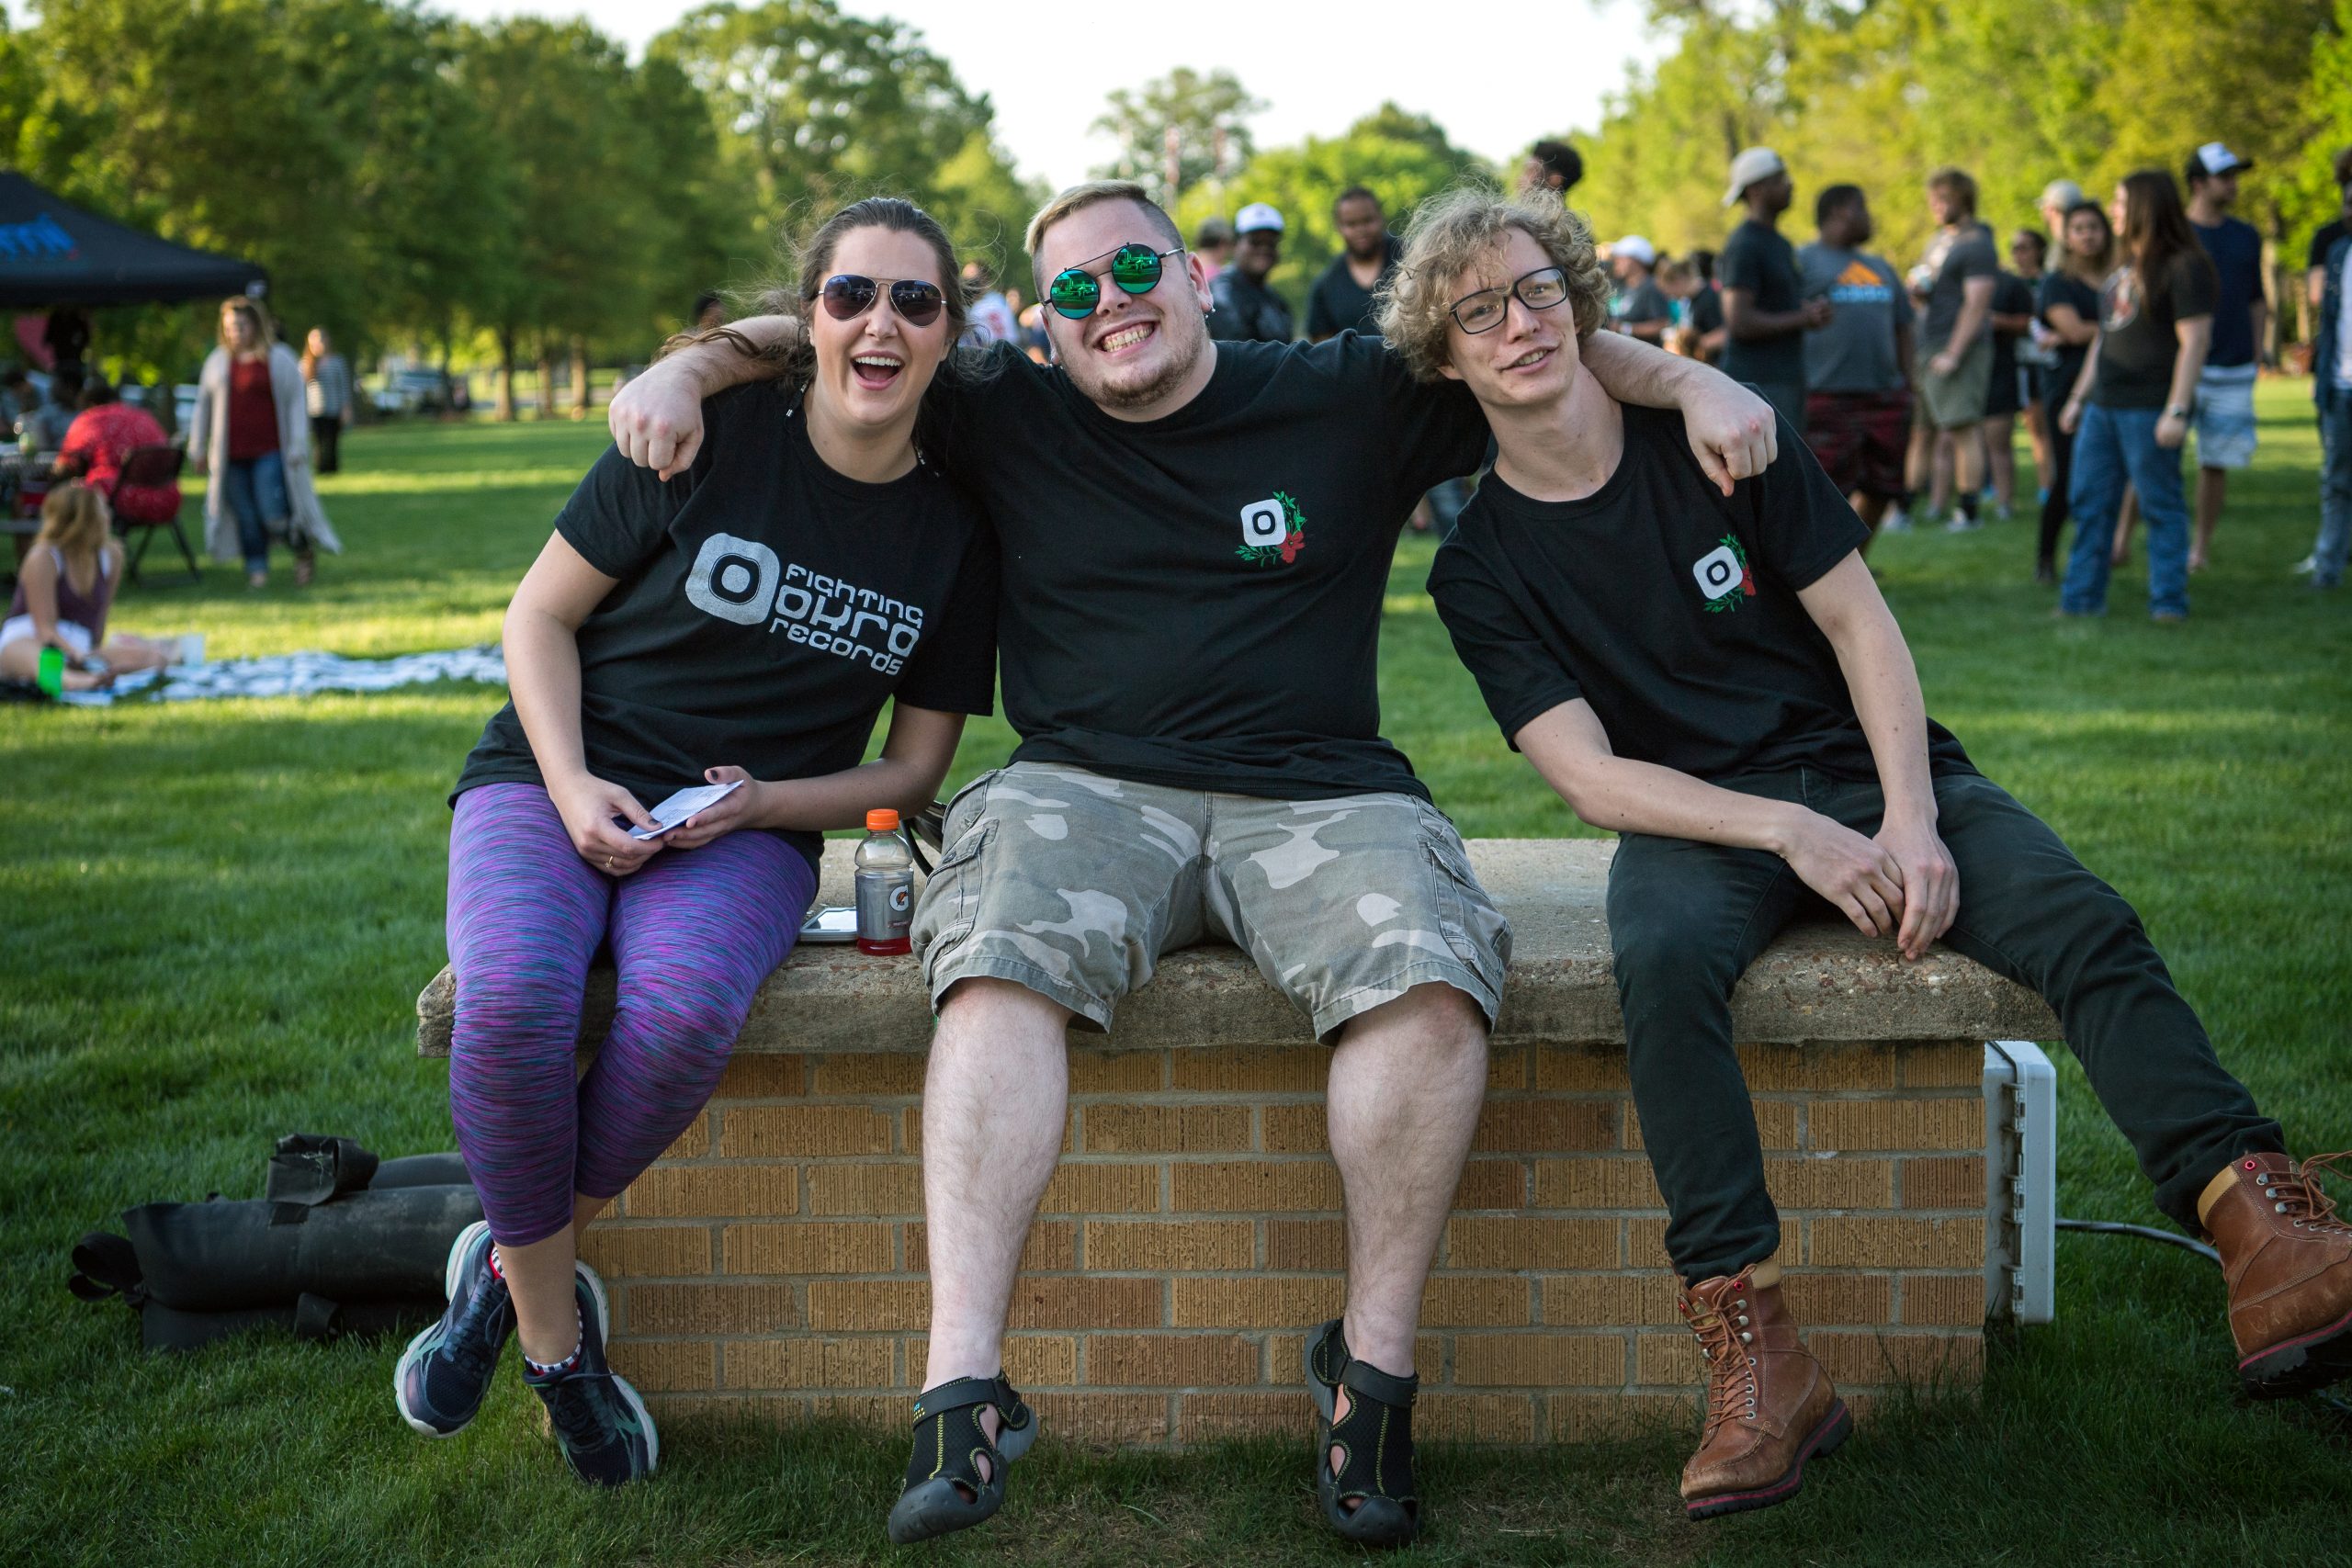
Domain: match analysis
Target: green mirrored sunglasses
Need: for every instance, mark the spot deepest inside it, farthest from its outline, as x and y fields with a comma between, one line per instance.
x=1076, y=290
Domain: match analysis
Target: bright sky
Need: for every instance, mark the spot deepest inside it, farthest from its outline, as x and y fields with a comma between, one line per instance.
x=1495, y=79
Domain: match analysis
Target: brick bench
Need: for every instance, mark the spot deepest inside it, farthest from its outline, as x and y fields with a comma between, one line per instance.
x=772, y=1261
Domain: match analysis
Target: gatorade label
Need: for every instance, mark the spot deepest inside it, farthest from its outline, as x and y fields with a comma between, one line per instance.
x=885, y=905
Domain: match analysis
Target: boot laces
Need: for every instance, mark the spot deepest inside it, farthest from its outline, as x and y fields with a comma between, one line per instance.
x=1723, y=1339
x=2300, y=1194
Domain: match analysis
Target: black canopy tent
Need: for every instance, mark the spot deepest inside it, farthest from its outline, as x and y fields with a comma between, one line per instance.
x=53, y=253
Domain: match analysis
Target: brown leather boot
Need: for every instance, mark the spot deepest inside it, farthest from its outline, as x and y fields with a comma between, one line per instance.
x=1769, y=1405
x=2288, y=1260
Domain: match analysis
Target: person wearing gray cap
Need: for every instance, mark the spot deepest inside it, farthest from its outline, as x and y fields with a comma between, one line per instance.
x=1246, y=309
x=1763, y=292
x=2058, y=199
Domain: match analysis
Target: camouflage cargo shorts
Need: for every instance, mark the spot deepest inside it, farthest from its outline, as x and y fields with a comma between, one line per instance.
x=1073, y=884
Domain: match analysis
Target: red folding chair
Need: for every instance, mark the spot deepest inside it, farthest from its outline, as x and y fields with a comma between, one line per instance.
x=146, y=473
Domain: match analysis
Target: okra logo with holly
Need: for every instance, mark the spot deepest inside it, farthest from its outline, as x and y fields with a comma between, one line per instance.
x=1274, y=531
x=1724, y=575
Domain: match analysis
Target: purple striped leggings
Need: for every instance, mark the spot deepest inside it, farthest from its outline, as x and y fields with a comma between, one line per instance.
x=693, y=934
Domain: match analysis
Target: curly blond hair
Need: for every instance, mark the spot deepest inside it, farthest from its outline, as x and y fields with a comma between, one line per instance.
x=1457, y=229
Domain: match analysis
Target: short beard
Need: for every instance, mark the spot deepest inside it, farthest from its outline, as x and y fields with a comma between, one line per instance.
x=1180, y=365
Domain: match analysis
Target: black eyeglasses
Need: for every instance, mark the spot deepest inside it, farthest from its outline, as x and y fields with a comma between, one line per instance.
x=848, y=296
x=1075, y=292
x=1485, y=310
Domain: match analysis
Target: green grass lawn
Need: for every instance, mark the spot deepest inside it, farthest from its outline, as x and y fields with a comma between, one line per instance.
x=220, y=915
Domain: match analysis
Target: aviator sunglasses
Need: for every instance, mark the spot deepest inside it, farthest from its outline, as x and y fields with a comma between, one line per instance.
x=1075, y=292
x=847, y=297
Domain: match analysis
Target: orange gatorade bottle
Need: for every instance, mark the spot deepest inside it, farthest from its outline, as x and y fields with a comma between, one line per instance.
x=886, y=887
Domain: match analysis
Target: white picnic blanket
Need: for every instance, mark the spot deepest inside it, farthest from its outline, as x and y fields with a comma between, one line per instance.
x=300, y=676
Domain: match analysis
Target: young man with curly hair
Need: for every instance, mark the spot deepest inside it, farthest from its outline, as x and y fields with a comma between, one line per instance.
x=1708, y=669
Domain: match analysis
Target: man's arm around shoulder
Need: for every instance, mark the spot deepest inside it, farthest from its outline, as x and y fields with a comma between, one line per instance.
x=656, y=419
x=1731, y=431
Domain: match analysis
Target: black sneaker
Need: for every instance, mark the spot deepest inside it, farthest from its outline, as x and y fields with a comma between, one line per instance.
x=600, y=1422
x=446, y=1369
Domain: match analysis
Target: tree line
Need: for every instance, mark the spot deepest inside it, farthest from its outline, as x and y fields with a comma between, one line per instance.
x=522, y=191
x=520, y=186
x=1880, y=93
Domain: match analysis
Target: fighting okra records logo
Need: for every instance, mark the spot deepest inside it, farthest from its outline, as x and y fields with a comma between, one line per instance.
x=743, y=580
x=1274, y=531
x=1723, y=576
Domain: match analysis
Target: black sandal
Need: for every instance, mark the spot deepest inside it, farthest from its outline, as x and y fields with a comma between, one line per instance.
x=944, y=1491
x=1374, y=1439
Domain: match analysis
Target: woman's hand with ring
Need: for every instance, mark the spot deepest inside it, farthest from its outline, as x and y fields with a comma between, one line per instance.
x=589, y=807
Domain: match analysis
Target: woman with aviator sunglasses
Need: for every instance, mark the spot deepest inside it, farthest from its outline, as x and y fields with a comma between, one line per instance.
x=740, y=624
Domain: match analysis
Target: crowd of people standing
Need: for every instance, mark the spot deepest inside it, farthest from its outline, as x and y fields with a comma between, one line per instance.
x=2117, y=332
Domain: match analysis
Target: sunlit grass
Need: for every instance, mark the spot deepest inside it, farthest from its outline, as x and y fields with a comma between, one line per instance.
x=220, y=914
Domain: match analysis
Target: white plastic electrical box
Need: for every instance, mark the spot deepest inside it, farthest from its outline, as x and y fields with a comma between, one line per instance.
x=2021, y=1182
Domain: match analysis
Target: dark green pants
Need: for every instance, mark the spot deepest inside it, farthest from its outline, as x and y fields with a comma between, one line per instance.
x=1688, y=918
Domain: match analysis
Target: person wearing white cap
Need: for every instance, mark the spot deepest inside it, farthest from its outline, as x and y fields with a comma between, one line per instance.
x=1764, y=305
x=1639, y=307
x=2223, y=422
x=1246, y=309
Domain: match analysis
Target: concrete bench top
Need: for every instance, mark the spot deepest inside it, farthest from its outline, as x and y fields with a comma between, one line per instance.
x=1818, y=982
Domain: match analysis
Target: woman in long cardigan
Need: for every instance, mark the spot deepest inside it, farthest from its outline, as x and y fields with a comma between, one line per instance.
x=253, y=433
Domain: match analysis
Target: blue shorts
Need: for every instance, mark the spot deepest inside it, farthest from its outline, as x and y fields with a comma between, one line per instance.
x=2223, y=420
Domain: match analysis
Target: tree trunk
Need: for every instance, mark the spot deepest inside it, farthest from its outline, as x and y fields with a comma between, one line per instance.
x=505, y=409
x=545, y=406
x=580, y=377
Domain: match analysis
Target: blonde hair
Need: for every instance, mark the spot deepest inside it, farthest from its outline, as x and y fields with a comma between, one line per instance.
x=1453, y=232
x=243, y=306
x=1094, y=193
x=75, y=519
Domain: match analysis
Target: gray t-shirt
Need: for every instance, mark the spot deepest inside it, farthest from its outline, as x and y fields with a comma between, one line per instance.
x=1855, y=353
x=1954, y=257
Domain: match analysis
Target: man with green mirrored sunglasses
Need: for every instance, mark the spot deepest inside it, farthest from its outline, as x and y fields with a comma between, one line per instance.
x=1132, y=268
x=1197, y=543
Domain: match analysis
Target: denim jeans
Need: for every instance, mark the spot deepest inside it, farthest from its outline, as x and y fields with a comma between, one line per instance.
x=2113, y=447
x=255, y=489
x=1686, y=918
x=2334, y=491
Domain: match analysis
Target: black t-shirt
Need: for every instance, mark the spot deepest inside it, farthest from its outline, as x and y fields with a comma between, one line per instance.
x=766, y=608
x=1706, y=308
x=2137, y=341
x=1757, y=259
x=2065, y=289
x=2012, y=296
x=1339, y=303
x=2324, y=240
x=1247, y=311
x=1670, y=608
x=1194, y=601
x=2235, y=247
x=1646, y=301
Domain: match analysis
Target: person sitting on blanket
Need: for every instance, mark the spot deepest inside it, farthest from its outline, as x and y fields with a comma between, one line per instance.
x=1710, y=670
x=64, y=590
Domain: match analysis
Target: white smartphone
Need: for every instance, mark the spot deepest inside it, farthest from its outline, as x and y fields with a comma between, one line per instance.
x=837, y=922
